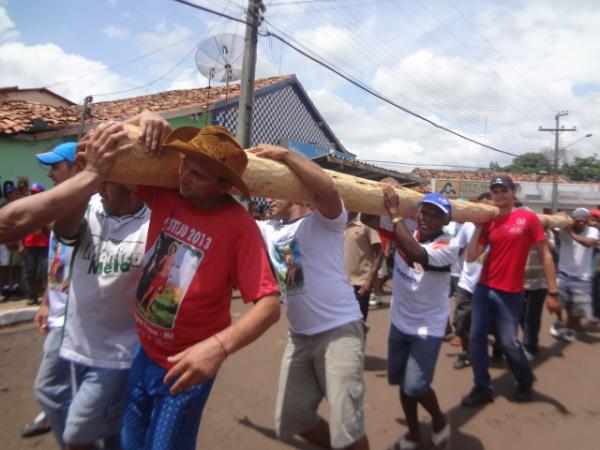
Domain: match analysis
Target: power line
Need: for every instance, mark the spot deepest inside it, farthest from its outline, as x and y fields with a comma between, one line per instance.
x=464, y=114
x=352, y=81
x=380, y=96
x=150, y=83
x=419, y=164
x=212, y=11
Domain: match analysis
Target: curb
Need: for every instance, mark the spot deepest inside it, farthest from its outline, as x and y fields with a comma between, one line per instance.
x=17, y=315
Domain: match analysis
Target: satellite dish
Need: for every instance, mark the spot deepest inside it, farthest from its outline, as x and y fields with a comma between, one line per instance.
x=220, y=58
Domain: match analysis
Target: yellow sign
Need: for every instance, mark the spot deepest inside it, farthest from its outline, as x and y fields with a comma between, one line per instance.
x=463, y=188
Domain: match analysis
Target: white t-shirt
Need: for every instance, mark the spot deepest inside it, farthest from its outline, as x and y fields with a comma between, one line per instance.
x=308, y=257
x=469, y=275
x=420, y=303
x=575, y=259
x=453, y=229
x=59, y=259
x=107, y=266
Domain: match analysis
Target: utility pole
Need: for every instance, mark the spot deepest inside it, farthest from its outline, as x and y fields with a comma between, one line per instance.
x=244, y=121
x=85, y=113
x=556, y=131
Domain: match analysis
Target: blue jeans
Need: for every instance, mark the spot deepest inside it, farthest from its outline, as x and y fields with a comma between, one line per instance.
x=96, y=409
x=53, y=384
x=504, y=309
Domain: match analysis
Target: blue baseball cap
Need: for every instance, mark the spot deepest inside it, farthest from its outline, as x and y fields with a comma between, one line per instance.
x=438, y=200
x=37, y=187
x=62, y=152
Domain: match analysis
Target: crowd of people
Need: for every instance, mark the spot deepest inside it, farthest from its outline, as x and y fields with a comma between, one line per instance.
x=137, y=286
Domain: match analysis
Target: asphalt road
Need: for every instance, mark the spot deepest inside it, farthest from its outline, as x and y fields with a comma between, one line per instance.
x=564, y=414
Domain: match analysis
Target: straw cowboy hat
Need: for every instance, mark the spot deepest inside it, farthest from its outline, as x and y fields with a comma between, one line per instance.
x=215, y=148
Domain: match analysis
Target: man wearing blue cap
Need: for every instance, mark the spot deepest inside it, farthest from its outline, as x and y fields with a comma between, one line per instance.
x=53, y=374
x=420, y=309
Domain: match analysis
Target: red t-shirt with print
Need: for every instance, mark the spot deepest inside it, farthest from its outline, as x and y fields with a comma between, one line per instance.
x=193, y=261
x=510, y=238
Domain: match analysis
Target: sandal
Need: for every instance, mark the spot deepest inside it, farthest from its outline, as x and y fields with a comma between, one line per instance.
x=405, y=444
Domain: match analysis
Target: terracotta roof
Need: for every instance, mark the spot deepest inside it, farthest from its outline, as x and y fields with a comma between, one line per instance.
x=17, y=116
x=483, y=175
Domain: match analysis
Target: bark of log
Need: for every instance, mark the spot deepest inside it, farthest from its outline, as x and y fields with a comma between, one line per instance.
x=267, y=178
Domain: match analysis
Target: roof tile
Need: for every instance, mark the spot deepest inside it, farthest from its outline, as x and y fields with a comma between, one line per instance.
x=18, y=115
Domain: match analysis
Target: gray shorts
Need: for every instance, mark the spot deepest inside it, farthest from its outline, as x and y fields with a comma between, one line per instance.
x=576, y=295
x=462, y=314
x=326, y=365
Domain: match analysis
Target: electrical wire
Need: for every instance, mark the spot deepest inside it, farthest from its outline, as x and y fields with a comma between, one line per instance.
x=150, y=83
x=420, y=164
x=460, y=111
x=382, y=97
x=426, y=85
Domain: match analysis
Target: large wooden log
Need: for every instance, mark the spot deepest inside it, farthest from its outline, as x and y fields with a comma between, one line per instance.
x=267, y=178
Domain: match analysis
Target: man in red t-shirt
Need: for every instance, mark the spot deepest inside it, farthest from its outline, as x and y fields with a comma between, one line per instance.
x=498, y=298
x=201, y=243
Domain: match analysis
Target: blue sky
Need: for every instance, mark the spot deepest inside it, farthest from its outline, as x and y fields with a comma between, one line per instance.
x=493, y=71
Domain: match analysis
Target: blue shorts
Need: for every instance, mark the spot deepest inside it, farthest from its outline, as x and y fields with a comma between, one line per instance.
x=411, y=360
x=154, y=419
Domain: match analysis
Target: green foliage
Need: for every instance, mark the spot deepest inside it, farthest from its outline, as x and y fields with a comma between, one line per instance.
x=583, y=169
x=530, y=163
x=495, y=166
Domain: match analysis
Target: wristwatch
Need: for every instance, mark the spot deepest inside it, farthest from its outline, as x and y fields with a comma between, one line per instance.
x=396, y=219
x=553, y=294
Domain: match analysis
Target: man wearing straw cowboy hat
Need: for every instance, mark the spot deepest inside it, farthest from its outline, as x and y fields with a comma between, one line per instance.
x=185, y=330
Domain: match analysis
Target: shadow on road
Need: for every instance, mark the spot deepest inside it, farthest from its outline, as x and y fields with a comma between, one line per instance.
x=375, y=363
x=459, y=440
x=504, y=385
x=270, y=433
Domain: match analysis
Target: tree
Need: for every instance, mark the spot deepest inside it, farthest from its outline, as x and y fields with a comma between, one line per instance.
x=583, y=169
x=530, y=163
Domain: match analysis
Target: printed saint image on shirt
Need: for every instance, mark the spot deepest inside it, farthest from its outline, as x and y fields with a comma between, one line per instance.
x=169, y=267
x=288, y=266
x=57, y=266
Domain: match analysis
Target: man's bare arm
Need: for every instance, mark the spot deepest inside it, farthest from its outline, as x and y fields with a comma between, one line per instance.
x=474, y=249
x=201, y=361
x=326, y=197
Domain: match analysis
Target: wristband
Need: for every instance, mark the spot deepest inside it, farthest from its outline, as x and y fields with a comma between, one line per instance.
x=221, y=344
x=396, y=219
x=553, y=294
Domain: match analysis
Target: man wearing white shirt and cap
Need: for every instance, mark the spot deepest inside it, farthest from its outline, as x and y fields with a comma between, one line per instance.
x=575, y=273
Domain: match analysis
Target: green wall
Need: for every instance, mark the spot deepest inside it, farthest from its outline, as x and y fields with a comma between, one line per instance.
x=17, y=158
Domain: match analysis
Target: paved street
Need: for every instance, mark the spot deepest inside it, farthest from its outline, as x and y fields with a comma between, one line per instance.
x=239, y=415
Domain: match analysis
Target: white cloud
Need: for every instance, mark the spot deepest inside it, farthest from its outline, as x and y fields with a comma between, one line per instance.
x=162, y=35
x=499, y=95
x=52, y=64
x=116, y=32
x=8, y=30
x=189, y=79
